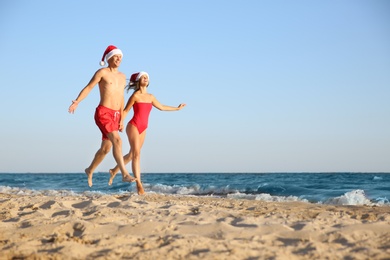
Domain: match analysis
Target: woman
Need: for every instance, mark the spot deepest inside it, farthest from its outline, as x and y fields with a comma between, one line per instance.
x=142, y=103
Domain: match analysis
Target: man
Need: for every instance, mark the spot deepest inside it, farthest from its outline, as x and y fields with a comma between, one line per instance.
x=108, y=114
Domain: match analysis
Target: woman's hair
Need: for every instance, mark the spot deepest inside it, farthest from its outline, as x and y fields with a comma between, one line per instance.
x=132, y=85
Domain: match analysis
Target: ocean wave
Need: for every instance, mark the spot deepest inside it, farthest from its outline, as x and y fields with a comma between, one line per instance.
x=196, y=189
x=354, y=197
x=28, y=192
x=54, y=193
x=266, y=197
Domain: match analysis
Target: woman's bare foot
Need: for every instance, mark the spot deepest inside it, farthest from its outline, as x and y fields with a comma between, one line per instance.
x=128, y=178
x=140, y=189
x=89, y=175
x=112, y=176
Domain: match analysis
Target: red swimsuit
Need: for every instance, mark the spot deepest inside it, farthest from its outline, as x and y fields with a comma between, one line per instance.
x=141, y=116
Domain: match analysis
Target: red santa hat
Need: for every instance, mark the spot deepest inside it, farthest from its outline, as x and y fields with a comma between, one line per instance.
x=136, y=76
x=109, y=52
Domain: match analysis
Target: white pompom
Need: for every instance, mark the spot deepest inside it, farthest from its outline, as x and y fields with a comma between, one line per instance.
x=102, y=63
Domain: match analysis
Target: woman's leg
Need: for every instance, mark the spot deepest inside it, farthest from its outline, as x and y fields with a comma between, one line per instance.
x=136, y=141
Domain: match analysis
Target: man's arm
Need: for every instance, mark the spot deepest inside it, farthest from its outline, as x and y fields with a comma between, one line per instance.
x=121, y=124
x=85, y=91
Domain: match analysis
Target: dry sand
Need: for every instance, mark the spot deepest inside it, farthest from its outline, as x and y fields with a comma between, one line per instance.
x=172, y=227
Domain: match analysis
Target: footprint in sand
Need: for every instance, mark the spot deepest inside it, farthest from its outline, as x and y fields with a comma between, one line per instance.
x=47, y=205
x=65, y=213
x=83, y=204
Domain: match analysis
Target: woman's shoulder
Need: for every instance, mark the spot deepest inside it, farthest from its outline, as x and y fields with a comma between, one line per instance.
x=151, y=97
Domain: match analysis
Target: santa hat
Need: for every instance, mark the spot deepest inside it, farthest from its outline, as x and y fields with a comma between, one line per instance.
x=109, y=52
x=136, y=76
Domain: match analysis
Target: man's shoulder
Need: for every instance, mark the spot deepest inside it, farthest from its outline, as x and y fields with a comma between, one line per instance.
x=101, y=71
x=121, y=73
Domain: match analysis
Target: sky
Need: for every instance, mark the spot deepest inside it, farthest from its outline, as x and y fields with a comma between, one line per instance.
x=270, y=86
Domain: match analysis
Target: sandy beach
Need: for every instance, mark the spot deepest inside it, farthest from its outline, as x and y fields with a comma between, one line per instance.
x=173, y=227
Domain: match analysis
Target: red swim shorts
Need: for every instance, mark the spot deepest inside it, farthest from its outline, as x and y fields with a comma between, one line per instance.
x=107, y=120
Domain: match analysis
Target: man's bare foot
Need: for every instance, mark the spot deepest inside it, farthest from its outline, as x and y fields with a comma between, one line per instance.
x=140, y=189
x=89, y=175
x=128, y=178
x=112, y=176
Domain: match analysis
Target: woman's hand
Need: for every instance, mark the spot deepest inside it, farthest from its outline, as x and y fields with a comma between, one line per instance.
x=181, y=106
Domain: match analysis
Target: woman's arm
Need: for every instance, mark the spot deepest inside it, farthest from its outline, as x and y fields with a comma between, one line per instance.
x=128, y=106
x=162, y=107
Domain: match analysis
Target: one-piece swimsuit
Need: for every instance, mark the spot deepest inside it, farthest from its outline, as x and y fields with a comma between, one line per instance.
x=141, y=115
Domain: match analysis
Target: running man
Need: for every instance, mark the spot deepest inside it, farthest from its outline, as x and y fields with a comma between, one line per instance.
x=108, y=114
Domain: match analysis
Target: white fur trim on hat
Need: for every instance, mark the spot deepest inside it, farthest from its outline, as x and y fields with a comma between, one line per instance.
x=141, y=74
x=136, y=76
x=112, y=53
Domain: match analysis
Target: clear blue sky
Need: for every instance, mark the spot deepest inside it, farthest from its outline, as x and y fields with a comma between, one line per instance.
x=270, y=86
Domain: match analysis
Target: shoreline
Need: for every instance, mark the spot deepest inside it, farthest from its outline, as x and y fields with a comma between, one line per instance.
x=177, y=227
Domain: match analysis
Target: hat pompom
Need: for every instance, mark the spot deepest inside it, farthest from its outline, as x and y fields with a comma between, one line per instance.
x=102, y=63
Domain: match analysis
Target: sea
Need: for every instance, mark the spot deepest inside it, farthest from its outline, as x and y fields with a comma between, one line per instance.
x=341, y=188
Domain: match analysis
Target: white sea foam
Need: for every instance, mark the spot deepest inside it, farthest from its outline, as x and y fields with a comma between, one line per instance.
x=166, y=189
x=195, y=189
x=382, y=201
x=28, y=192
x=265, y=197
x=355, y=197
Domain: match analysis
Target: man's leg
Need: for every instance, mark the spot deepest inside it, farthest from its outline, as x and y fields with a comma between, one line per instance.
x=117, y=152
x=99, y=156
x=115, y=170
